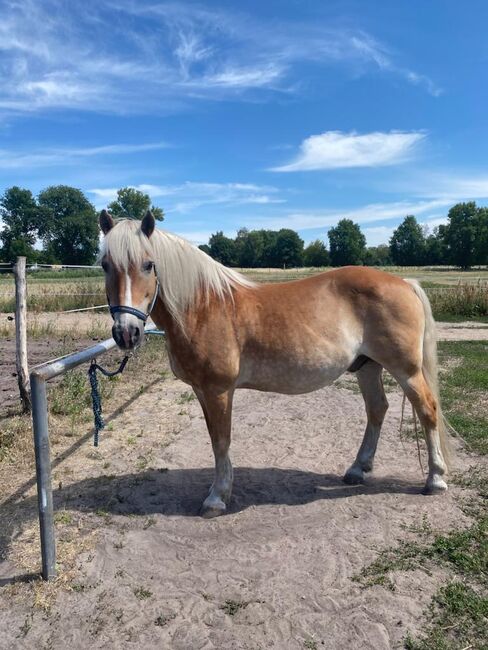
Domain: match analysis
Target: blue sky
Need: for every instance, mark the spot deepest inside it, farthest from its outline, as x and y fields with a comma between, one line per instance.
x=284, y=113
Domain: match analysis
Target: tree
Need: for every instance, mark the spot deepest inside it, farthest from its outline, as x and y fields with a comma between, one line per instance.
x=435, y=247
x=18, y=210
x=205, y=248
x=249, y=248
x=481, y=246
x=407, y=244
x=133, y=204
x=288, y=248
x=316, y=254
x=460, y=234
x=68, y=225
x=377, y=256
x=347, y=243
x=222, y=248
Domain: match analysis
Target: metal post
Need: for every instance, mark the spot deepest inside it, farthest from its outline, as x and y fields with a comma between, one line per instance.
x=43, y=473
x=38, y=379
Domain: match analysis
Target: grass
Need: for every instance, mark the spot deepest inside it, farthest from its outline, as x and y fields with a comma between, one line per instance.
x=468, y=301
x=464, y=390
x=458, y=618
x=455, y=294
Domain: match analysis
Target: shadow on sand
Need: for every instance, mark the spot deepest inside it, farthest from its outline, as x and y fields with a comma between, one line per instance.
x=180, y=492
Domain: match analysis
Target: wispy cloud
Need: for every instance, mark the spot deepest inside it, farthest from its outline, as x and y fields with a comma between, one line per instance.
x=63, y=156
x=188, y=196
x=371, y=213
x=334, y=149
x=97, y=56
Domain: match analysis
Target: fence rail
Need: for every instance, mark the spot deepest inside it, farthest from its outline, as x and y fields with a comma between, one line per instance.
x=39, y=377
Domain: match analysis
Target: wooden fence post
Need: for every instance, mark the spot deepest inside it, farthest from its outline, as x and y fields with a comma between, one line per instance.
x=21, y=333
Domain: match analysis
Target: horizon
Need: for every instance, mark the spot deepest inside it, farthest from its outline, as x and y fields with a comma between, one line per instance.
x=275, y=116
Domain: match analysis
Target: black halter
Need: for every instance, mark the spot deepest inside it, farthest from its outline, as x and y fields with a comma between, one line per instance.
x=124, y=309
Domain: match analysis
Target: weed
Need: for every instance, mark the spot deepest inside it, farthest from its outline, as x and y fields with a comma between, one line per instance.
x=150, y=521
x=231, y=607
x=63, y=517
x=186, y=397
x=310, y=644
x=142, y=594
x=164, y=619
x=131, y=440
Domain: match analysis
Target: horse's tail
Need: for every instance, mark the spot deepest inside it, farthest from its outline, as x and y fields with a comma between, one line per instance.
x=430, y=366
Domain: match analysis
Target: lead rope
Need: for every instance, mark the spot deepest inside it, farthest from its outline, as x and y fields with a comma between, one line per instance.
x=95, y=393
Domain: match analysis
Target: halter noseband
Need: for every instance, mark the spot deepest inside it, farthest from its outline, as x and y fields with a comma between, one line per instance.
x=125, y=309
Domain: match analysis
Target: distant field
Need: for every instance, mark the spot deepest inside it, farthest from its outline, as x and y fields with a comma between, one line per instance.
x=455, y=294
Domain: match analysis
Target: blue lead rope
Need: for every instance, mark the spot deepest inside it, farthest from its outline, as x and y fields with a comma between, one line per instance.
x=95, y=394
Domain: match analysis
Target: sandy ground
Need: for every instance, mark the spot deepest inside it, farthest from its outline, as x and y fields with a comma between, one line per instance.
x=273, y=573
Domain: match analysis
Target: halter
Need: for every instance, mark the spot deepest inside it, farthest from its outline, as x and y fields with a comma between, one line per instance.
x=124, y=309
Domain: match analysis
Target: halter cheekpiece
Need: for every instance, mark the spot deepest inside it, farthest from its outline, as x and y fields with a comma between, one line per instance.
x=125, y=309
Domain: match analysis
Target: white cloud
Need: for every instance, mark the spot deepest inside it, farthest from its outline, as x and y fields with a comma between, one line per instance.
x=376, y=235
x=59, y=156
x=189, y=196
x=366, y=214
x=335, y=149
x=97, y=56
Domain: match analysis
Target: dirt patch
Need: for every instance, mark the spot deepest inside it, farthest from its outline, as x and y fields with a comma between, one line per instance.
x=468, y=331
x=39, y=351
x=273, y=573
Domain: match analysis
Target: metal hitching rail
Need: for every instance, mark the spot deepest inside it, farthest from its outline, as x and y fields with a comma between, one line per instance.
x=39, y=377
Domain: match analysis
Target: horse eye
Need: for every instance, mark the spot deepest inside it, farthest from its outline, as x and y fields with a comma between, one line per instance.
x=105, y=266
x=148, y=266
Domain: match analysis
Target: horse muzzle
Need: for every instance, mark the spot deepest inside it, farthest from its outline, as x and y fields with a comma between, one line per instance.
x=128, y=336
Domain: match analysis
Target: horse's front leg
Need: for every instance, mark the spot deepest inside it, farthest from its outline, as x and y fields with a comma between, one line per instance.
x=217, y=408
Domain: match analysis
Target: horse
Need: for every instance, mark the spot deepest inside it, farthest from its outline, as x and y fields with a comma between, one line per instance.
x=225, y=332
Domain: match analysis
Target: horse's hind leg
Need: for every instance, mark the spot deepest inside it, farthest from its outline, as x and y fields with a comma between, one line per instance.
x=425, y=405
x=217, y=408
x=371, y=385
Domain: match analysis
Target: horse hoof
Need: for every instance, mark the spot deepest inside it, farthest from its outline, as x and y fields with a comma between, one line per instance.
x=434, y=486
x=353, y=477
x=213, y=509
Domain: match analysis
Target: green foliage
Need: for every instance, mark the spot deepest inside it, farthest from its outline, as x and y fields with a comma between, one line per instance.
x=407, y=244
x=377, y=256
x=466, y=235
x=222, y=248
x=18, y=211
x=288, y=249
x=347, y=244
x=316, y=254
x=133, y=204
x=68, y=225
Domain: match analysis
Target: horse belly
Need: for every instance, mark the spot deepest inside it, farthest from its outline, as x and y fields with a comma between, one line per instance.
x=285, y=376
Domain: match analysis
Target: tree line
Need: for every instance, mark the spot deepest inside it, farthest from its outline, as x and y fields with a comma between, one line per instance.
x=62, y=221
x=462, y=241
x=60, y=226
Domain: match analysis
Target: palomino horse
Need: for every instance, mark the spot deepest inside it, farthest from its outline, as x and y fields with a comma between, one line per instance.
x=225, y=332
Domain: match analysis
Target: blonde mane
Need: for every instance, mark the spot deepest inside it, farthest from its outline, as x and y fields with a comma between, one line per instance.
x=183, y=270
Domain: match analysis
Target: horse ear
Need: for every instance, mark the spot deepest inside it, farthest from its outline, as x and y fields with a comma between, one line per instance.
x=106, y=222
x=148, y=224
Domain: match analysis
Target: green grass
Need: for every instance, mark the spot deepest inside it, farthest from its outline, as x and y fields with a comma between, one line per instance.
x=464, y=390
x=458, y=618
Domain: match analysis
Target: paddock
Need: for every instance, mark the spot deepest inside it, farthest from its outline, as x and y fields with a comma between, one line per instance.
x=137, y=565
